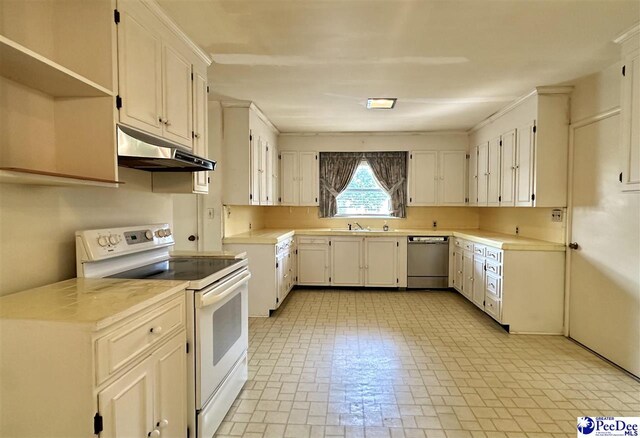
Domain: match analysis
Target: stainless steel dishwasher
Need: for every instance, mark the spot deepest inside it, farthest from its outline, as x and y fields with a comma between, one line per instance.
x=427, y=262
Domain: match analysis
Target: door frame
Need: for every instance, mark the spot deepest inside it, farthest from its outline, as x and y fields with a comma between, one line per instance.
x=568, y=235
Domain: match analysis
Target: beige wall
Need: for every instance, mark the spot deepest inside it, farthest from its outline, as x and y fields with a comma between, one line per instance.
x=241, y=218
x=531, y=222
x=37, y=224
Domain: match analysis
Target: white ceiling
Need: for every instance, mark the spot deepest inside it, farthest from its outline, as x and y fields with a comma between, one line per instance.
x=311, y=64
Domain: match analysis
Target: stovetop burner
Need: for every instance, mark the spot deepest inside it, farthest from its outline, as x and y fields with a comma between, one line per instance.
x=179, y=268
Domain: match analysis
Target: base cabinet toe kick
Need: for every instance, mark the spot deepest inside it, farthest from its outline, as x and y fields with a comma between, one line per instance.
x=522, y=290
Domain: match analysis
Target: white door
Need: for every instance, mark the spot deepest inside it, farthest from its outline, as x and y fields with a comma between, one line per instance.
x=467, y=272
x=493, y=170
x=177, y=93
x=483, y=173
x=525, y=149
x=126, y=406
x=508, y=169
x=478, y=281
x=346, y=261
x=255, y=168
x=313, y=264
x=458, y=270
x=289, y=186
x=200, y=130
x=139, y=74
x=308, y=178
x=381, y=262
x=171, y=387
x=423, y=176
x=604, y=306
x=452, y=178
x=473, y=176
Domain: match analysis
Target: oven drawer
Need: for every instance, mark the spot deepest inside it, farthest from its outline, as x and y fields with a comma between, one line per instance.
x=123, y=345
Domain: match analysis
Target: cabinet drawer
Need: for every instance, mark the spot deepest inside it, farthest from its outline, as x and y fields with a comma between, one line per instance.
x=492, y=307
x=123, y=345
x=494, y=268
x=494, y=254
x=493, y=285
x=478, y=250
x=313, y=240
x=459, y=243
x=468, y=246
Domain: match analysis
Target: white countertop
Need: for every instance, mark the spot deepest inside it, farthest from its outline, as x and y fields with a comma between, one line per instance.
x=95, y=302
x=489, y=238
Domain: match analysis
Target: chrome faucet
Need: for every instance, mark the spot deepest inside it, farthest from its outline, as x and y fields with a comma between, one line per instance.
x=359, y=226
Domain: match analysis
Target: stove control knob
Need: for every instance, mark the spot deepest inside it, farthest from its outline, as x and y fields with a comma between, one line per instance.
x=102, y=241
x=113, y=239
x=149, y=235
x=160, y=233
x=167, y=232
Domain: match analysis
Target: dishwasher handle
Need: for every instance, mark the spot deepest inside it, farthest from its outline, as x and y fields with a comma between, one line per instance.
x=427, y=240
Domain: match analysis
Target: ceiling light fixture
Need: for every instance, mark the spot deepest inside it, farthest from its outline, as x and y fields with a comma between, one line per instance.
x=381, y=102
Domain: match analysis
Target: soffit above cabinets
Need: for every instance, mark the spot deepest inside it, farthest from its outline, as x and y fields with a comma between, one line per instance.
x=311, y=65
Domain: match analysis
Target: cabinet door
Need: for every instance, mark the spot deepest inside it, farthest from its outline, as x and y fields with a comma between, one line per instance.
x=255, y=168
x=308, y=178
x=467, y=272
x=451, y=174
x=381, y=262
x=423, y=175
x=139, y=74
x=478, y=281
x=525, y=149
x=171, y=388
x=493, y=171
x=346, y=261
x=275, y=170
x=268, y=173
x=483, y=173
x=177, y=93
x=126, y=405
x=473, y=176
x=289, y=186
x=281, y=276
x=458, y=270
x=313, y=264
x=200, y=130
x=630, y=102
x=508, y=169
x=263, y=152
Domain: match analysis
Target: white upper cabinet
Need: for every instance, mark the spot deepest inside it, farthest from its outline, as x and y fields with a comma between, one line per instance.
x=451, y=187
x=508, y=168
x=200, y=129
x=522, y=151
x=140, y=73
x=299, y=178
x=437, y=178
x=493, y=173
x=176, y=97
x=630, y=111
x=250, y=145
x=423, y=175
x=473, y=176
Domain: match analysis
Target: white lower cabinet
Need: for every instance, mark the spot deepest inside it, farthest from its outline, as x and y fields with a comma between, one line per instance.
x=313, y=261
x=151, y=399
x=347, y=261
x=272, y=273
x=381, y=256
x=522, y=290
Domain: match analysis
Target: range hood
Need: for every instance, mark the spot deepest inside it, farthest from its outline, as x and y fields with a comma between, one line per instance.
x=146, y=152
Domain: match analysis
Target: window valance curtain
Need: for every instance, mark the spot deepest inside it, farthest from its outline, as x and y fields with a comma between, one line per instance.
x=337, y=169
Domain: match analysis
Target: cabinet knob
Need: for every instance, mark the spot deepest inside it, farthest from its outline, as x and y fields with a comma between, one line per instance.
x=155, y=330
x=167, y=122
x=154, y=433
x=162, y=423
x=196, y=135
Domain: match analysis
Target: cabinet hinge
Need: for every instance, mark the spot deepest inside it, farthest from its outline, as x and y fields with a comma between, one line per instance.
x=208, y=89
x=296, y=253
x=466, y=200
x=467, y=156
x=329, y=279
x=411, y=156
x=267, y=198
x=499, y=198
x=188, y=433
x=250, y=137
x=533, y=197
x=267, y=148
x=397, y=280
x=277, y=264
x=500, y=142
x=191, y=76
x=208, y=180
x=534, y=129
x=397, y=243
x=277, y=300
x=279, y=156
x=116, y=16
x=187, y=347
x=620, y=177
x=329, y=243
x=316, y=156
x=485, y=267
x=279, y=199
x=410, y=199
x=97, y=424
x=316, y=199
x=193, y=134
x=624, y=70
x=483, y=302
x=250, y=196
x=118, y=102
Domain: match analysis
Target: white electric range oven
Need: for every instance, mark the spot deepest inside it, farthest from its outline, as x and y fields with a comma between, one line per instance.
x=217, y=309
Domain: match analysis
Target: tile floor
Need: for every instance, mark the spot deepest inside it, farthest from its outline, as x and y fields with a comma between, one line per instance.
x=414, y=364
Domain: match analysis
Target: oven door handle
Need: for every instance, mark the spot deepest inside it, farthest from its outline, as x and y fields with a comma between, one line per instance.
x=215, y=295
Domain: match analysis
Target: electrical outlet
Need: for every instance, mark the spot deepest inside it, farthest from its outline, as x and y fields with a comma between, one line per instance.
x=210, y=213
x=556, y=215
x=517, y=230
x=435, y=224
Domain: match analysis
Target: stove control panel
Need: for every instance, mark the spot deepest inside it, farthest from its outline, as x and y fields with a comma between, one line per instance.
x=106, y=243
